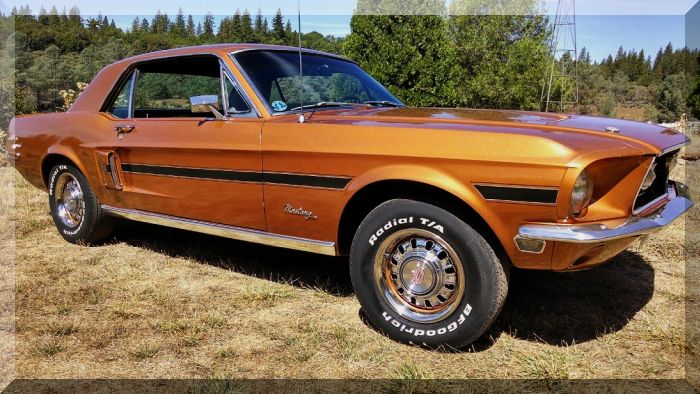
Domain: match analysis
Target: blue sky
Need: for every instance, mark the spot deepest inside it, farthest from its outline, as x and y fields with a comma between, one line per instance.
x=602, y=25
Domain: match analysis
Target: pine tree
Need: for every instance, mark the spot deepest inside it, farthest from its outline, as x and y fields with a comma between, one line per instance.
x=145, y=26
x=180, y=27
x=135, y=25
x=160, y=23
x=289, y=33
x=43, y=16
x=236, y=26
x=225, y=30
x=190, y=26
x=208, y=27
x=64, y=16
x=74, y=16
x=278, y=26
x=54, y=20
x=584, y=56
x=247, y=33
x=199, y=32
x=260, y=28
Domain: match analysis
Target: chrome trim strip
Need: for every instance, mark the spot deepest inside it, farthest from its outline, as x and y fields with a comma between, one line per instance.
x=294, y=50
x=226, y=231
x=655, y=201
x=674, y=147
x=134, y=77
x=136, y=61
x=596, y=232
x=639, y=190
x=237, y=85
x=250, y=83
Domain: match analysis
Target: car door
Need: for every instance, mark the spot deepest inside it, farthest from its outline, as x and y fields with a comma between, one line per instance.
x=165, y=159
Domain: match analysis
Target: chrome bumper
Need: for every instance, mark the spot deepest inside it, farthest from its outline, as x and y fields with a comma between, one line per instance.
x=635, y=226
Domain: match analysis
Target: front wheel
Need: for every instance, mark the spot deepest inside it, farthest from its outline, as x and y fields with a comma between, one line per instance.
x=425, y=277
x=74, y=207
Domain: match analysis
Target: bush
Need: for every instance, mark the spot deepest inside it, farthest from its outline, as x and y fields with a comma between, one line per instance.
x=3, y=151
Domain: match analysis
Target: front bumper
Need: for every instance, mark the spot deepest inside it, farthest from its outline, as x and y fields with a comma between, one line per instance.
x=679, y=202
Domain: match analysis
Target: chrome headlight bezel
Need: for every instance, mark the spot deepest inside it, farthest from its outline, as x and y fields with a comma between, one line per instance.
x=581, y=194
x=649, y=178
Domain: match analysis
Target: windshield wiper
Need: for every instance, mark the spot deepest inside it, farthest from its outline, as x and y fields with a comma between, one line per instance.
x=322, y=104
x=382, y=103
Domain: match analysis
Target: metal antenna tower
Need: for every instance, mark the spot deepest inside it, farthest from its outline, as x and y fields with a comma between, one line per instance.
x=560, y=88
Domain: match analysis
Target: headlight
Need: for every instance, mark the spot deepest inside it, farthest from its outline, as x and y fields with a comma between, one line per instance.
x=581, y=194
x=649, y=178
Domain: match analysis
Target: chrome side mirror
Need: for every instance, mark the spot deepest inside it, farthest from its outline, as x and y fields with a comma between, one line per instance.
x=206, y=104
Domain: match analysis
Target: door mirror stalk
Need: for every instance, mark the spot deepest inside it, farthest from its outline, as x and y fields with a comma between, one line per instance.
x=207, y=104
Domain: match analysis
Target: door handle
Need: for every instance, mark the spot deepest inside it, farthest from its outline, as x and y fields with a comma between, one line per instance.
x=123, y=129
x=126, y=129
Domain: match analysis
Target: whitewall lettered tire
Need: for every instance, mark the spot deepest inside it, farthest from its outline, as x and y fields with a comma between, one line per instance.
x=425, y=277
x=74, y=207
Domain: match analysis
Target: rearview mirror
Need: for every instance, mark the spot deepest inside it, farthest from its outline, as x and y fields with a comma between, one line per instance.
x=206, y=104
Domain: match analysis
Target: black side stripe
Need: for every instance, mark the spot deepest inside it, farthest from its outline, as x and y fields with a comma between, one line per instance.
x=327, y=182
x=518, y=194
x=203, y=173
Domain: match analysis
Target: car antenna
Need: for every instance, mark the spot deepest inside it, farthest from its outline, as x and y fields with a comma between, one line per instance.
x=302, y=118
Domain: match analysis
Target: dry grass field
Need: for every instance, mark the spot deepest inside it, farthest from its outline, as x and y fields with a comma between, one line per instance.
x=161, y=303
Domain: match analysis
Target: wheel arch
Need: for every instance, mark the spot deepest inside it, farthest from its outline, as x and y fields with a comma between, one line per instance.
x=55, y=157
x=451, y=195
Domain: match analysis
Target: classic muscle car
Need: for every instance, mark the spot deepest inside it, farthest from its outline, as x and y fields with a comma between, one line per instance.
x=432, y=205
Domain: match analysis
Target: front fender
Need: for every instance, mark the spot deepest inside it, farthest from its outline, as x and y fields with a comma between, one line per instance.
x=432, y=177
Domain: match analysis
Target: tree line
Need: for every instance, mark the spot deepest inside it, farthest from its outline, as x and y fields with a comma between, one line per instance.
x=477, y=61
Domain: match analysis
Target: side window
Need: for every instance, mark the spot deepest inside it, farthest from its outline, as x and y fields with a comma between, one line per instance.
x=120, y=106
x=164, y=87
x=236, y=103
x=168, y=95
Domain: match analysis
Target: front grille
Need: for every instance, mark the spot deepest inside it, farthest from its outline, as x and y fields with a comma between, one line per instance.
x=660, y=185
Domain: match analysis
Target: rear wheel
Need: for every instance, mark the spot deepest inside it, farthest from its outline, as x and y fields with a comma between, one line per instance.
x=425, y=277
x=75, y=209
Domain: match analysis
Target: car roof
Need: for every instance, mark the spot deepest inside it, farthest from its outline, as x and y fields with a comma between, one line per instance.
x=218, y=48
x=93, y=98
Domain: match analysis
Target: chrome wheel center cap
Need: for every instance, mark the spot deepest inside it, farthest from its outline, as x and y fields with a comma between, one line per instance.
x=69, y=200
x=419, y=275
x=419, y=272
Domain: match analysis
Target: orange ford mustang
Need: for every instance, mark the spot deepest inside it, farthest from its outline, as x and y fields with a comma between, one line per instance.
x=432, y=205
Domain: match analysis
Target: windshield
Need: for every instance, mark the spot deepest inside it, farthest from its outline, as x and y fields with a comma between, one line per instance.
x=328, y=82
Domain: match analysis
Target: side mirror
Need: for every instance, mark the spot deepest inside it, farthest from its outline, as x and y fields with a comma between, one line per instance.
x=206, y=104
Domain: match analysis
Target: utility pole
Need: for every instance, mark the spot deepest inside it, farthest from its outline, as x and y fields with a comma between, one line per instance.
x=560, y=88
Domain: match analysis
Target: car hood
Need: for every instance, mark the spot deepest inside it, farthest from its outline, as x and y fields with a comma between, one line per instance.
x=648, y=137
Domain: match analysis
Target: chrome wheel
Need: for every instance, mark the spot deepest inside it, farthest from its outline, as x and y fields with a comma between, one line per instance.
x=419, y=275
x=70, y=205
